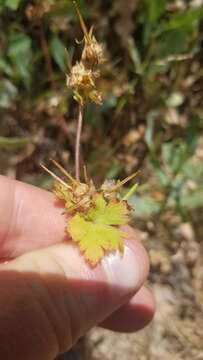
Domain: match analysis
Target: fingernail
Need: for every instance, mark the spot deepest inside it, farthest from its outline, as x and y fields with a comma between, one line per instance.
x=125, y=270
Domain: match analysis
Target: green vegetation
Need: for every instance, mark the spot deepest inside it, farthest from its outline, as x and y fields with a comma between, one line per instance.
x=151, y=119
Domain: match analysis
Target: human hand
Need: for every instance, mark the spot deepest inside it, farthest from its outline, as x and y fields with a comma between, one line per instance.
x=49, y=296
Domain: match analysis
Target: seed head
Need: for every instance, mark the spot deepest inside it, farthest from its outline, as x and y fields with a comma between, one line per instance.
x=82, y=81
x=80, y=77
x=93, y=52
x=83, y=76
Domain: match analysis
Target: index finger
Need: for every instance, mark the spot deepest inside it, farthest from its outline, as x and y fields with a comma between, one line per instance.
x=30, y=218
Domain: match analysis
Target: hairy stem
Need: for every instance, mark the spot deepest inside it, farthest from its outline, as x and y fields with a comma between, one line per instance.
x=77, y=144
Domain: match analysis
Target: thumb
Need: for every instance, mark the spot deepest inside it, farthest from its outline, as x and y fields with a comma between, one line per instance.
x=51, y=297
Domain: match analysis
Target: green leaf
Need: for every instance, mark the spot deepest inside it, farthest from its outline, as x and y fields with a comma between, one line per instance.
x=12, y=4
x=193, y=200
x=8, y=93
x=96, y=232
x=95, y=239
x=193, y=134
x=149, y=133
x=167, y=151
x=135, y=56
x=193, y=169
x=163, y=178
x=175, y=154
x=5, y=67
x=58, y=52
x=145, y=206
x=185, y=19
x=155, y=8
x=20, y=53
x=114, y=213
x=180, y=156
x=171, y=42
x=13, y=143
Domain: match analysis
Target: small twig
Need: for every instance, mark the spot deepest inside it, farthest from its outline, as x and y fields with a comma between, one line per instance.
x=77, y=144
x=55, y=176
x=123, y=182
x=64, y=172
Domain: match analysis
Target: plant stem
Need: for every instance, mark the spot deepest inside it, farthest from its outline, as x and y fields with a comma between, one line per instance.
x=77, y=144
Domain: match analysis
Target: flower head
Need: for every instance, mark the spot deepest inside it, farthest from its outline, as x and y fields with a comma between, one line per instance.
x=83, y=83
x=93, y=52
x=80, y=78
x=83, y=76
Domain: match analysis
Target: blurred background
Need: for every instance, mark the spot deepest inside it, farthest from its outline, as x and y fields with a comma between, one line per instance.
x=151, y=120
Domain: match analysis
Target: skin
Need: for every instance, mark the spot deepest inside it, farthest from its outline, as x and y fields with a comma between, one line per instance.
x=49, y=296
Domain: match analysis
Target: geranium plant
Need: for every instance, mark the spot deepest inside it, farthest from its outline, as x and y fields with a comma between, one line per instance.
x=95, y=214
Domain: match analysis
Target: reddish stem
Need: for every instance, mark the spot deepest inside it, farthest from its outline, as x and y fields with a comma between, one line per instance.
x=77, y=144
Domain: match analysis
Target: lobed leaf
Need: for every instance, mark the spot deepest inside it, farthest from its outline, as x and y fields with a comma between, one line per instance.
x=94, y=239
x=113, y=213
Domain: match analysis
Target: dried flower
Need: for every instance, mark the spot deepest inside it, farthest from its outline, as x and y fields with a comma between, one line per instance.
x=93, y=52
x=96, y=214
x=79, y=196
x=83, y=76
x=80, y=78
x=83, y=83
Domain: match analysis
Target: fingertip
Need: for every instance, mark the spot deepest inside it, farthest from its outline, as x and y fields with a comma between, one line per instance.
x=129, y=271
x=134, y=315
